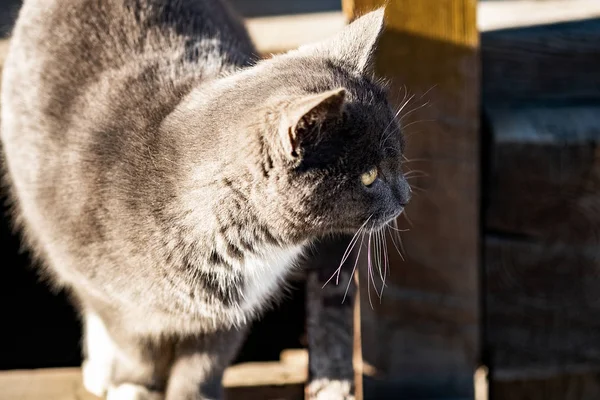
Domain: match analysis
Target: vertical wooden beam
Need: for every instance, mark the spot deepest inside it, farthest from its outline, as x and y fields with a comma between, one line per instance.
x=423, y=339
x=357, y=359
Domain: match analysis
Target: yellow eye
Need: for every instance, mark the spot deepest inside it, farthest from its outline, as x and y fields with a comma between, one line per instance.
x=369, y=177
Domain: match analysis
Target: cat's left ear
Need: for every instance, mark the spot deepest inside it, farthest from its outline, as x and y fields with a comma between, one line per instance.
x=354, y=46
x=303, y=119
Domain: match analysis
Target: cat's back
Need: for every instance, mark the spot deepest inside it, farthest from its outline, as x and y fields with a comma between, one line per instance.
x=83, y=77
x=61, y=48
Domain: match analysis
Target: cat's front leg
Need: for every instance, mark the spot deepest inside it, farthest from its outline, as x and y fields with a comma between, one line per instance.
x=330, y=322
x=122, y=366
x=200, y=362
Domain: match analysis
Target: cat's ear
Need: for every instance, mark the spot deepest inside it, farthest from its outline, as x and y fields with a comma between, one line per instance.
x=354, y=46
x=303, y=118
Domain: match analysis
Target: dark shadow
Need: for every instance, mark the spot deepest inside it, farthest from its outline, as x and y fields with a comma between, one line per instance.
x=39, y=328
x=9, y=10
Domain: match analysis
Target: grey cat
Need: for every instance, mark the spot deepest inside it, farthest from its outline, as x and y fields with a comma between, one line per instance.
x=171, y=181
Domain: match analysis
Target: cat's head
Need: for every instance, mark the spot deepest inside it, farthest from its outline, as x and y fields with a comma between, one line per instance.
x=339, y=145
x=309, y=136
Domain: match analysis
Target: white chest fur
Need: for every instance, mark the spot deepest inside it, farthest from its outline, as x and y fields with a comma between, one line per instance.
x=265, y=273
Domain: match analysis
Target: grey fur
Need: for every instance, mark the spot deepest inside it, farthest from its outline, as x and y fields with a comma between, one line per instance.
x=149, y=160
x=330, y=323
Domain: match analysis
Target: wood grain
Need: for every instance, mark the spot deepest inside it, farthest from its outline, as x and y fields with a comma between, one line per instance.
x=265, y=380
x=551, y=63
x=423, y=338
x=542, y=253
x=543, y=306
x=561, y=387
x=544, y=178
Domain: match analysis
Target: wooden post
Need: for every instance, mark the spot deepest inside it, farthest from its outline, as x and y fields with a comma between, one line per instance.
x=357, y=360
x=423, y=339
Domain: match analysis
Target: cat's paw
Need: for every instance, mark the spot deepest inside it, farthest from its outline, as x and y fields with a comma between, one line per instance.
x=96, y=378
x=325, y=389
x=128, y=391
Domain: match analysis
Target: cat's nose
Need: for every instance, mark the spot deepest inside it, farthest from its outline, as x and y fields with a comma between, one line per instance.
x=402, y=191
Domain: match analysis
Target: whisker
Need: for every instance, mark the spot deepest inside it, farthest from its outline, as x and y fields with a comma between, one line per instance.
x=411, y=172
x=399, y=237
x=396, y=246
x=414, y=159
x=354, y=267
x=405, y=214
x=416, y=122
x=381, y=263
x=413, y=110
x=376, y=249
x=427, y=91
x=416, y=188
x=408, y=178
x=386, y=263
x=369, y=269
x=373, y=281
x=347, y=253
x=396, y=229
x=386, y=135
x=398, y=233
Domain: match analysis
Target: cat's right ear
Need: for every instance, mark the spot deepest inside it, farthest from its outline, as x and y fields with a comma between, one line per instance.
x=354, y=46
x=303, y=119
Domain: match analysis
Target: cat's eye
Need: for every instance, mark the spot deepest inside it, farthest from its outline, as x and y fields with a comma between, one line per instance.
x=369, y=177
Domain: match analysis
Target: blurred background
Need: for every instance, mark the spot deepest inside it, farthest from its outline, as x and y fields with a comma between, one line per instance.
x=502, y=258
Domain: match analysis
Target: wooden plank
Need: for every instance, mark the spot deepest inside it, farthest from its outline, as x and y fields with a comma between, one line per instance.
x=278, y=34
x=47, y=384
x=545, y=174
x=548, y=63
x=265, y=380
x=542, y=308
x=422, y=340
x=357, y=358
x=507, y=14
x=562, y=387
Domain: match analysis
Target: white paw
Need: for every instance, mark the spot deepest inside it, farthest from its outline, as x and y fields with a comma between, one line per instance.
x=128, y=391
x=100, y=351
x=95, y=380
x=325, y=389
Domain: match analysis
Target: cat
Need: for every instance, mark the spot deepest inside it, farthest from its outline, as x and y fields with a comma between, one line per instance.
x=171, y=181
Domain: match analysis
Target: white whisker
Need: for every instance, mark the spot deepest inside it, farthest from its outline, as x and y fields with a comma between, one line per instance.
x=416, y=122
x=372, y=279
x=369, y=269
x=413, y=110
x=385, y=262
x=347, y=253
x=396, y=246
x=355, y=265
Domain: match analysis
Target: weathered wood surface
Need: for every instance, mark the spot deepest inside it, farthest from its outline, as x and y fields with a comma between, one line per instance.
x=543, y=302
x=544, y=178
x=505, y=14
x=262, y=381
x=546, y=63
x=542, y=222
x=277, y=34
x=563, y=387
x=422, y=340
